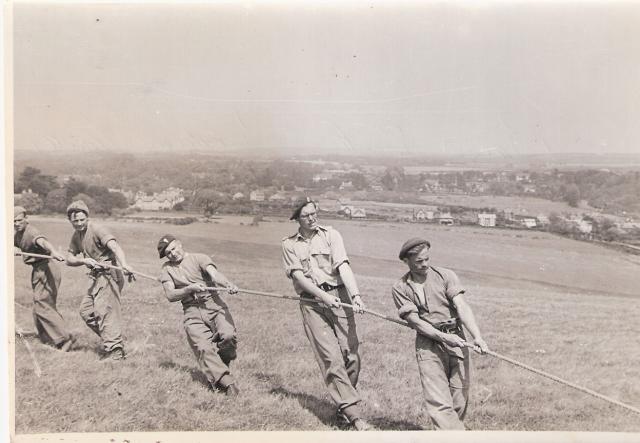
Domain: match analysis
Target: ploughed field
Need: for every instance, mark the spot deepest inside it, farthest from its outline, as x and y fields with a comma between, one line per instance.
x=566, y=307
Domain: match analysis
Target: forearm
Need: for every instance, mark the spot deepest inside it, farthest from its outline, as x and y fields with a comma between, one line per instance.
x=349, y=279
x=75, y=260
x=118, y=253
x=423, y=328
x=468, y=320
x=218, y=278
x=176, y=294
x=44, y=244
x=307, y=285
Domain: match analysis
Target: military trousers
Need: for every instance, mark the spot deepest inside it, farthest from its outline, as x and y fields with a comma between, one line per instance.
x=211, y=334
x=45, y=281
x=100, y=308
x=445, y=382
x=334, y=340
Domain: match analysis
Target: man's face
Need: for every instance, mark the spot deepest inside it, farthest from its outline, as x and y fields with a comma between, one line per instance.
x=308, y=218
x=419, y=263
x=174, y=251
x=20, y=222
x=79, y=220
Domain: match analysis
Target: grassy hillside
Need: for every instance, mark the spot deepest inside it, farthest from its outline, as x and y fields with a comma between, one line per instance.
x=566, y=307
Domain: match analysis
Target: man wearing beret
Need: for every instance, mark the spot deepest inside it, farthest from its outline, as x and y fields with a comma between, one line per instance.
x=316, y=261
x=92, y=245
x=208, y=323
x=45, y=281
x=431, y=299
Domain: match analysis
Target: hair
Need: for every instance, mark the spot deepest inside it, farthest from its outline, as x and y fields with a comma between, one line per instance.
x=417, y=249
x=74, y=211
x=312, y=202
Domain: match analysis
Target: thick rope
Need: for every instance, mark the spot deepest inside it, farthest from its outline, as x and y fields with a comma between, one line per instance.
x=469, y=345
x=400, y=322
x=101, y=264
x=564, y=382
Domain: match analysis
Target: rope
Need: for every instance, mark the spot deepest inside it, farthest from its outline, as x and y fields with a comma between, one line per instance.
x=467, y=344
x=379, y=315
x=102, y=264
x=564, y=382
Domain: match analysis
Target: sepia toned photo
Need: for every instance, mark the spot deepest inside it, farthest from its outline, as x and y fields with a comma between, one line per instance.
x=346, y=217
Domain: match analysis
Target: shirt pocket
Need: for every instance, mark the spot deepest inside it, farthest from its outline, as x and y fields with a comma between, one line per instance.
x=322, y=258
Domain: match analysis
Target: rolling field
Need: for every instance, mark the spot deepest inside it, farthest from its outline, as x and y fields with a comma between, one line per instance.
x=566, y=307
x=519, y=205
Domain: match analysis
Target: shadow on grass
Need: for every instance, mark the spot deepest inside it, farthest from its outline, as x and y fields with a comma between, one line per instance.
x=196, y=375
x=324, y=410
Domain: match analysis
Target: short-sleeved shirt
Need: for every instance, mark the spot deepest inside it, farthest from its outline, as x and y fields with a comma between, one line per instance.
x=192, y=269
x=433, y=301
x=26, y=241
x=92, y=242
x=318, y=257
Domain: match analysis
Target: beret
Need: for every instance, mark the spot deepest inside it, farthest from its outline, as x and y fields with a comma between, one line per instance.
x=412, y=243
x=78, y=206
x=298, y=205
x=19, y=210
x=165, y=241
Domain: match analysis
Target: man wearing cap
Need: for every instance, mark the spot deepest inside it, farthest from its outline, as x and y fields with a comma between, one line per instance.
x=431, y=299
x=208, y=324
x=316, y=261
x=45, y=281
x=92, y=245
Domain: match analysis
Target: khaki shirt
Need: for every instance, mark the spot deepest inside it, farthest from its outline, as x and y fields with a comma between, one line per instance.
x=92, y=242
x=26, y=241
x=434, y=303
x=192, y=269
x=317, y=257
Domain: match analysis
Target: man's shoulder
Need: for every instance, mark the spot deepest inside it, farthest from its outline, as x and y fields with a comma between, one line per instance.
x=197, y=259
x=98, y=228
x=198, y=256
x=444, y=273
x=401, y=283
x=327, y=228
x=291, y=237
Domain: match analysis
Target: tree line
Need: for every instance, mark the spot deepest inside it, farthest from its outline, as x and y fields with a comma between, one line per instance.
x=48, y=195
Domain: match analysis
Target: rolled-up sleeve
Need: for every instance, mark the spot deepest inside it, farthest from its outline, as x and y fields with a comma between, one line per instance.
x=453, y=286
x=338, y=251
x=164, y=276
x=403, y=303
x=290, y=260
x=103, y=235
x=204, y=261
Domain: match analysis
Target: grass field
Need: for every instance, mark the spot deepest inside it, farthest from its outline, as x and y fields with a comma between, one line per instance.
x=566, y=307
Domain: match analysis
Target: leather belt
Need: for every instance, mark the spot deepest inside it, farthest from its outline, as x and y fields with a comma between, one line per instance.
x=327, y=287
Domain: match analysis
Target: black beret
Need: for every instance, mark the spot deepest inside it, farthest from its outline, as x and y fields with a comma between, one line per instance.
x=164, y=242
x=412, y=243
x=298, y=205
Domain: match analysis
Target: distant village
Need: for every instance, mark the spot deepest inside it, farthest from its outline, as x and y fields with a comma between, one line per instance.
x=367, y=193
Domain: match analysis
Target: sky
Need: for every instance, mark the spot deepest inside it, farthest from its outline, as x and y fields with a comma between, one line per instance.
x=376, y=77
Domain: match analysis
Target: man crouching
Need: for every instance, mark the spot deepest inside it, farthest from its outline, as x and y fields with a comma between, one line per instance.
x=431, y=300
x=210, y=329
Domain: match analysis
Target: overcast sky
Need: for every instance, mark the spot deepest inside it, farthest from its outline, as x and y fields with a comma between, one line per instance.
x=354, y=77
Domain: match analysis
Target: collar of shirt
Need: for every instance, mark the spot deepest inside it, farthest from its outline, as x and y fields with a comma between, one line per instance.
x=418, y=288
x=299, y=236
